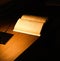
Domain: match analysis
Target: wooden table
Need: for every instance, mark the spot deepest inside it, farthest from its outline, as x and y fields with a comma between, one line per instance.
x=17, y=44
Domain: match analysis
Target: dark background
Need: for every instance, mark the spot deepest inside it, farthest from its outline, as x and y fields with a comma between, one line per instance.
x=47, y=46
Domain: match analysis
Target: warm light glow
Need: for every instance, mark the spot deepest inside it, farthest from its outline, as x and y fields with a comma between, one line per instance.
x=16, y=46
x=30, y=25
x=34, y=18
x=21, y=41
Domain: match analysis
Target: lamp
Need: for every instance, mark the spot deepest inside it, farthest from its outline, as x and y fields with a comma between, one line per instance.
x=29, y=24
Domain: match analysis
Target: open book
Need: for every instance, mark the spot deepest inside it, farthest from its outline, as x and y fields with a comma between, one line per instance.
x=29, y=24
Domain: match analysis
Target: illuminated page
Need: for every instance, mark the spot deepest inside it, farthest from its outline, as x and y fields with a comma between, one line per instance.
x=34, y=18
x=28, y=26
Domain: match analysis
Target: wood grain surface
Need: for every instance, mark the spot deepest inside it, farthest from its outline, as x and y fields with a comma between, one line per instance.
x=17, y=44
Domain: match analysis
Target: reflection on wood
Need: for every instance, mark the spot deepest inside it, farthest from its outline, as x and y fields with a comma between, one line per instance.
x=16, y=45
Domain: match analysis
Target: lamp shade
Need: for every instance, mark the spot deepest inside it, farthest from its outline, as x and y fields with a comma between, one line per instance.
x=29, y=24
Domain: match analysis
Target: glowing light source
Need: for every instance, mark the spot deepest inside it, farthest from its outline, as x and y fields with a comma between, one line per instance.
x=30, y=25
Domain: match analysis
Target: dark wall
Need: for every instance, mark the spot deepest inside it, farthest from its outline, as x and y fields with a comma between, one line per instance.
x=19, y=7
x=16, y=8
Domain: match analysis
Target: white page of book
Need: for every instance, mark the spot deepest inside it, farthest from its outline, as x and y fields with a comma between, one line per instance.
x=28, y=27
